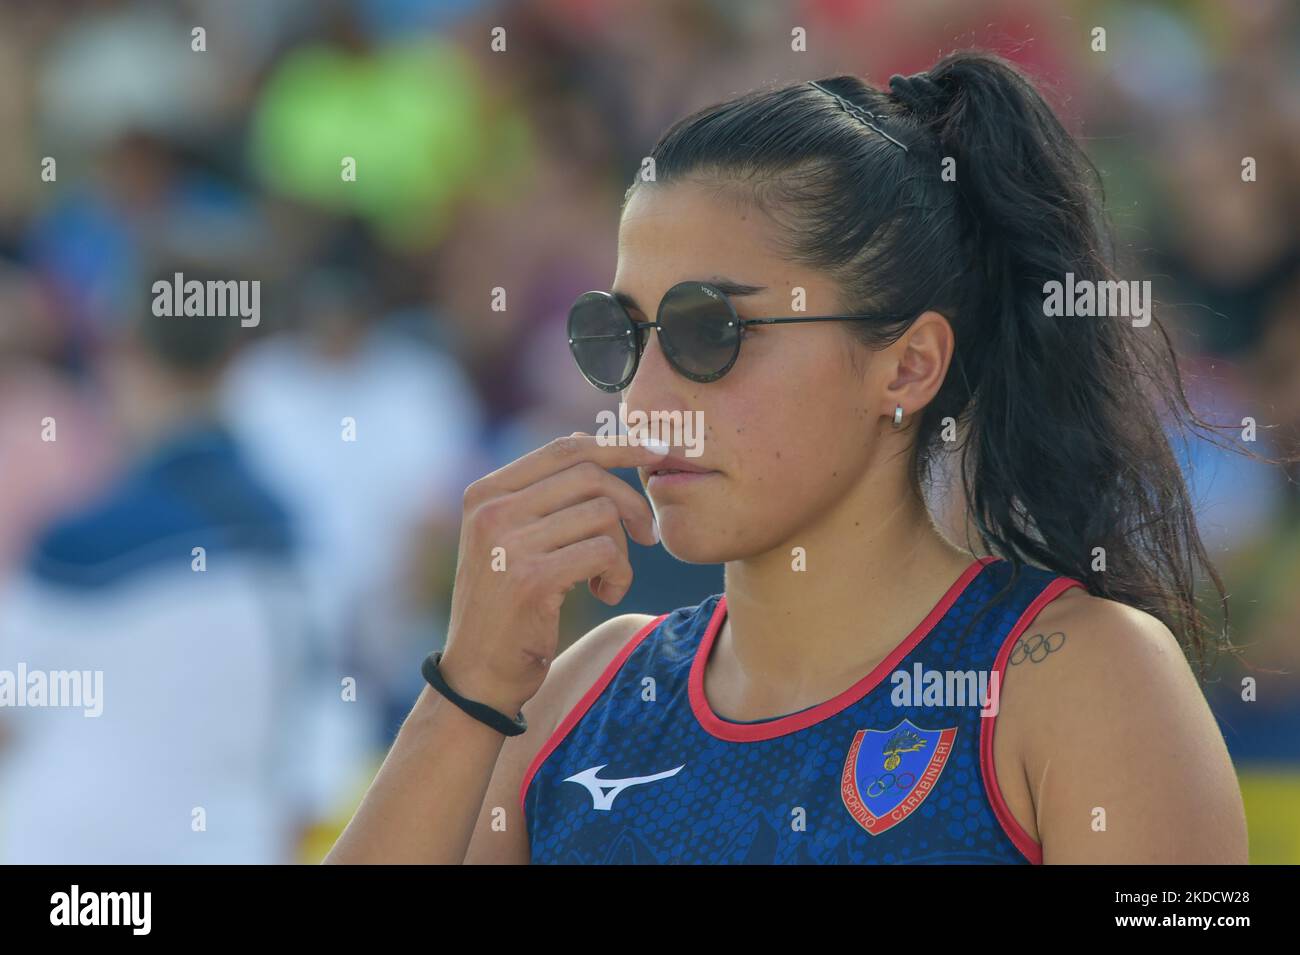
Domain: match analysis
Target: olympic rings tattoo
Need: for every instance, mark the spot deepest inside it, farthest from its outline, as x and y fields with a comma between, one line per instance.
x=1036, y=649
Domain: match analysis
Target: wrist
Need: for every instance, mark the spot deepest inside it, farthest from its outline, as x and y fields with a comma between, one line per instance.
x=474, y=685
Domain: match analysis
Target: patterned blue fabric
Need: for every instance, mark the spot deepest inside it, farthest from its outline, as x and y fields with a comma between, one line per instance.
x=642, y=778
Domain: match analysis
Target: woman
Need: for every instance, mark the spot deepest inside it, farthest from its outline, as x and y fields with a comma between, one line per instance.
x=865, y=690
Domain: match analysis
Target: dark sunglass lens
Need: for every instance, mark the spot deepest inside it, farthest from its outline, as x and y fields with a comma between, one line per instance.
x=697, y=330
x=598, y=337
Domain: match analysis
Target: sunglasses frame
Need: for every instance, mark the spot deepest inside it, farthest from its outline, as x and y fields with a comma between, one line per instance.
x=642, y=329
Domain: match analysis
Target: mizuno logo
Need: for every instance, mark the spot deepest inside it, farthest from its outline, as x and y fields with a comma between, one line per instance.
x=603, y=791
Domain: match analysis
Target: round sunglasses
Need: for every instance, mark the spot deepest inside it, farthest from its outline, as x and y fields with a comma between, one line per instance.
x=699, y=332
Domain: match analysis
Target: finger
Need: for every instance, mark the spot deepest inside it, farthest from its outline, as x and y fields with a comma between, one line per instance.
x=590, y=518
x=593, y=557
x=586, y=481
x=564, y=453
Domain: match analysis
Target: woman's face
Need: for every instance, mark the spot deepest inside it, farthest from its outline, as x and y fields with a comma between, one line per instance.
x=791, y=429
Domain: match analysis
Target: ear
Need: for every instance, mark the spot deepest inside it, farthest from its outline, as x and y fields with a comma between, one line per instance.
x=920, y=360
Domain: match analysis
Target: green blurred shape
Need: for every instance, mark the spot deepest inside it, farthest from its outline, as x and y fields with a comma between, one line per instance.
x=1272, y=799
x=412, y=117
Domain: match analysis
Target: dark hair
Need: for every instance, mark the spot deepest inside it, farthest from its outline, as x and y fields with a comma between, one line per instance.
x=1063, y=444
x=189, y=346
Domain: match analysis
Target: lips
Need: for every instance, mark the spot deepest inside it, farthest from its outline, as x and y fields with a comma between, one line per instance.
x=675, y=472
x=674, y=464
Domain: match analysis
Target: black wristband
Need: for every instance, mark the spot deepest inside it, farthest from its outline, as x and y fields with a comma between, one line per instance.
x=480, y=711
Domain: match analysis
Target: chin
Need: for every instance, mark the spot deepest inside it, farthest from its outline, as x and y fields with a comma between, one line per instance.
x=698, y=554
x=688, y=540
x=693, y=541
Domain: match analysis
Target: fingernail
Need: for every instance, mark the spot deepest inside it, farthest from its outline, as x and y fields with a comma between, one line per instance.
x=655, y=446
x=654, y=528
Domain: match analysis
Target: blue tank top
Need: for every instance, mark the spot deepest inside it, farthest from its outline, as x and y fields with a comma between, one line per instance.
x=896, y=769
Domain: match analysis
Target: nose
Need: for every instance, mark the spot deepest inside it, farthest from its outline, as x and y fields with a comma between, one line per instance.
x=653, y=370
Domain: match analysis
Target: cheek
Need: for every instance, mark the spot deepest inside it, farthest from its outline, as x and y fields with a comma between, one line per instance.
x=794, y=428
x=789, y=443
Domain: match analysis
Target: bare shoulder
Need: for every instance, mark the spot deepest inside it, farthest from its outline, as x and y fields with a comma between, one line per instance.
x=579, y=665
x=501, y=833
x=1123, y=757
x=1093, y=648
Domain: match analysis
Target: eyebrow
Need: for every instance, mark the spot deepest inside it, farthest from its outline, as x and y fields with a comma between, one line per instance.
x=728, y=287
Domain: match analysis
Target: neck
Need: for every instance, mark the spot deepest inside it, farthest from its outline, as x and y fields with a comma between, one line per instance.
x=876, y=565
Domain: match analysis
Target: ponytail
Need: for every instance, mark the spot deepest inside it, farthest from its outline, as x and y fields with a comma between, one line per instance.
x=1065, y=459
x=1066, y=462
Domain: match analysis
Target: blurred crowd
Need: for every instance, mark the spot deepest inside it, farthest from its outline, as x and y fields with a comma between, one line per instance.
x=420, y=209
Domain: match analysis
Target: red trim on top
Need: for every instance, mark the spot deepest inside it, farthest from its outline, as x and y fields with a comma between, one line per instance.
x=770, y=729
x=988, y=724
x=581, y=707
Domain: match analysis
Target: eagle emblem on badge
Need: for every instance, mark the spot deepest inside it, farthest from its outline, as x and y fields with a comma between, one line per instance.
x=888, y=773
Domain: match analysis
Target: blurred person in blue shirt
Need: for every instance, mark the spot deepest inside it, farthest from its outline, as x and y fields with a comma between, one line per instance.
x=176, y=588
